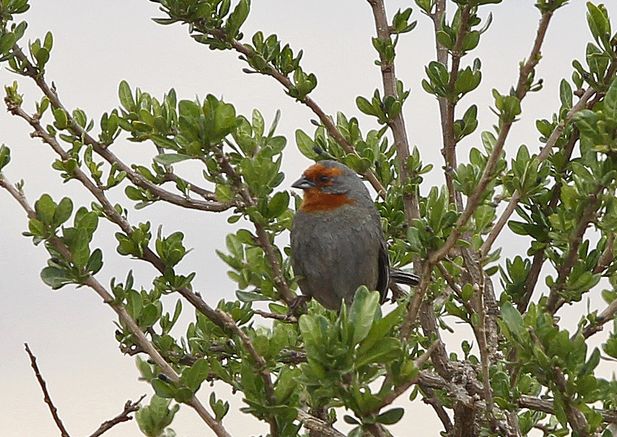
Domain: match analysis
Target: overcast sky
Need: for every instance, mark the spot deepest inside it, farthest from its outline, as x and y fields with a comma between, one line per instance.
x=99, y=43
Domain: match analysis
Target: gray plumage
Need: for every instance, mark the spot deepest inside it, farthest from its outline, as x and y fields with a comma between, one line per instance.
x=334, y=251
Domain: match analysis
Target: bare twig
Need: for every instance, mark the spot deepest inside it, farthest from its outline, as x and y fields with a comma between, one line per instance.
x=124, y=416
x=287, y=318
x=399, y=132
x=46, y=396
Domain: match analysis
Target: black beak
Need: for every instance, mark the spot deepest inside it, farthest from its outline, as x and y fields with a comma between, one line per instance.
x=303, y=183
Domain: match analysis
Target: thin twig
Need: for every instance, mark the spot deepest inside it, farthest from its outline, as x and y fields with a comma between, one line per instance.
x=544, y=153
x=604, y=317
x=124, y=416
x=447, y=107
x=46, y=396
x=398, y=390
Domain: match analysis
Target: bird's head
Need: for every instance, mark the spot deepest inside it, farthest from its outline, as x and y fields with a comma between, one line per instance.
x=328, y=185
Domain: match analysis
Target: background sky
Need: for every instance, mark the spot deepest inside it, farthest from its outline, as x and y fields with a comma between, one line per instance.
x=98, y=44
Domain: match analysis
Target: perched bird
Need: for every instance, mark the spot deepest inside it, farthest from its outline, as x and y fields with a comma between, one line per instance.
x=337, y=243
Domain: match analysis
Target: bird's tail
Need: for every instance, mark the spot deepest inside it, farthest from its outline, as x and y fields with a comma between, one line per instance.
x=405, y=278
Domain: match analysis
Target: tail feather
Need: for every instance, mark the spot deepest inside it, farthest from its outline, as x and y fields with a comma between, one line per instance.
x=405, y=278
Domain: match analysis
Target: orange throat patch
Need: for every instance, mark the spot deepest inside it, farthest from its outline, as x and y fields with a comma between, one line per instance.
x=316, y=200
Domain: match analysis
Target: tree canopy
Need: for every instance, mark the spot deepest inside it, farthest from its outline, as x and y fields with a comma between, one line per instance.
x=523, y=369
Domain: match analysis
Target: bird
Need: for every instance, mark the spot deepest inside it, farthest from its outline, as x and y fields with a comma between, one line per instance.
x=337, y=243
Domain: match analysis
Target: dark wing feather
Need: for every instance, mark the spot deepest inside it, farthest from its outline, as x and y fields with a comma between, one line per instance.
x=384, y=272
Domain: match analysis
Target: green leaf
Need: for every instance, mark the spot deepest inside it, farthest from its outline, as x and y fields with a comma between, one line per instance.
x=278, y=204
x=391, y=417
x=45, y=209
x=610, y=102
x=237, y=18
x=171, y=158
x=250, y=296
x=5, y=156
x=306, y=145
x=513, y=319
x=362, y=313
x=163, y=388
x=126, y=96
x=55, y=277
x=63, y=211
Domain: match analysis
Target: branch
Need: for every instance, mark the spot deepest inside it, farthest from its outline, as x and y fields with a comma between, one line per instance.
x=397, y=125
x=124, y=416
x=544, y=153
x=474, y=199
x=576, y=418
x=315, y=424
x=325, y=119
x=605, y=316
x=107, y=154
x=466, y=395
x=43, y=385
x=125, y=319
x=286, y=318
x=262, y=235
x=554, y=299
x=432, y=400
x=447, y=107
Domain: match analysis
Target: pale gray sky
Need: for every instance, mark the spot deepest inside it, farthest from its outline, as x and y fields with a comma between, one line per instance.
x=97, y=44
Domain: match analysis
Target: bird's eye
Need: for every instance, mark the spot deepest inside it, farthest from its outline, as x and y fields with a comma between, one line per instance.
x=324, y=178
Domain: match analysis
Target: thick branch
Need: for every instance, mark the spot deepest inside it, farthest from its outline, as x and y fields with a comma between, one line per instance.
x=465, y=395
x=43, y=385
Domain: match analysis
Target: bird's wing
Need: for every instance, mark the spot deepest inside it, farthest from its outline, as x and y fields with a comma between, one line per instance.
x=384, y=272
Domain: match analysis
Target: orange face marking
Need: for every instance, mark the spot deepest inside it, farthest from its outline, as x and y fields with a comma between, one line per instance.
x=316, y=200
x=317, y=171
